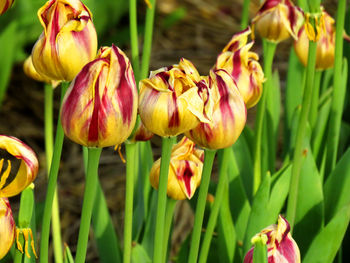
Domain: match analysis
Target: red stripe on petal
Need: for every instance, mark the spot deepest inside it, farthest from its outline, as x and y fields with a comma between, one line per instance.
x=173, y=112
x=125, y=89
x=225, y=108
x=186, y=177
x=237, y=65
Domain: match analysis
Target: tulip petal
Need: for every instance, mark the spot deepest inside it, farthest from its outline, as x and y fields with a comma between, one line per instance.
x=7, y=227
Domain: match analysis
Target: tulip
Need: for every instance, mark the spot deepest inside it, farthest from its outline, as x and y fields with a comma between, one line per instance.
x=228, y=117
x=7, y=227
x=281, y=246
x=243, y=66
x=27, y=171
x=171, y=100
x=277, y=20
x=186, y=164
x=31, y=72
x=325, y=44
x=68, y=41
x=141, y=133
x=100, y=106
x=4, y=5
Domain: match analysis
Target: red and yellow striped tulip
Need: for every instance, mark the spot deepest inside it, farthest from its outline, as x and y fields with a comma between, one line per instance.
x=7, y=227
x=4, y=5
x=281, y=247
x=68, y=41
x=141, y=133
x=277, y=20
x=27, y=171
x=185, y=171
x=100, y=106
x=237, y=59
x=172, y=101
x=229, y=114
x=325, y=44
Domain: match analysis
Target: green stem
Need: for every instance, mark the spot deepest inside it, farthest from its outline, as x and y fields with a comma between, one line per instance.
x=161, y=203
x=168, y=220
x=88, y=202
x=315, y=98
x=269, y=51
x=209, y=156
x=56, y=225
x=338, y=92
x=147, y=45
x=245, y=14
x=301, y=132
x=134, y=39
x=104, y=233
x=51, y=187
x=129, y=197
x=216, y=206
x=260, y=250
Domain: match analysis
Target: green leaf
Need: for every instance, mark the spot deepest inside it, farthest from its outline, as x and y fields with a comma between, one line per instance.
x=273, y=110
x=226, y=231
x=336, y=188
x=139, y=254
x=148, y=238
x=7, y=51
x=259, y=217
x=260, y=251
x=324, y=247
x=239, y=203
x=294, y=92
x=68, y=258
x=310, y=209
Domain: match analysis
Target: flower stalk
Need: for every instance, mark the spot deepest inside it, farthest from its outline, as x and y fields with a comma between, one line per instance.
x=51, y=187
x=167, y=143
x=209, y=156
x=88, y=203
x=171, y=204
x=269, y=51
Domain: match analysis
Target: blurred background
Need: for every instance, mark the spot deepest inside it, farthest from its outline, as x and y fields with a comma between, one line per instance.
x=193, y=29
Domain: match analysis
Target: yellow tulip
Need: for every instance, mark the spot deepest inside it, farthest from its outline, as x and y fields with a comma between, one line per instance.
x=7, y=227
x=141, y=133
x=31, y=72
x=27, y=171
x=237, y=59
x=68, y=41
x=172, y=100
x=325, y=44
x=185, y=171
x=100, y=106
x=4, y=5
x=229, y=114
x=277, y=20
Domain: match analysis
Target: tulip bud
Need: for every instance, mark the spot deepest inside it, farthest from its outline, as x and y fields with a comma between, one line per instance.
x=68, y=41
x=185, y=171
x=100, y=106
x=170, y=100
x=27, y=170
x=7, y=227
x=325, y=44
x=31, y=72
x=281, y=246
x=243, y=66
x=229, y=114
x=276, y=20
x=4, y=5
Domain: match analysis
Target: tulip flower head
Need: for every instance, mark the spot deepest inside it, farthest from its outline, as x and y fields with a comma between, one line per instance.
x=171, y=101
x=237, y=59
x=31, y=72
x=325, y=43
x=68, y=41
x=229, y=114
x=7, y=227
x=4, y=5
x=185, y=171
x=277, y=20
x=100, y=106
x=281, y=247
x=141, y=133
x=27, y=171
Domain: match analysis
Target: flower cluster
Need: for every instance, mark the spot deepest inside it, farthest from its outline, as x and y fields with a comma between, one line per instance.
x=26, y=174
